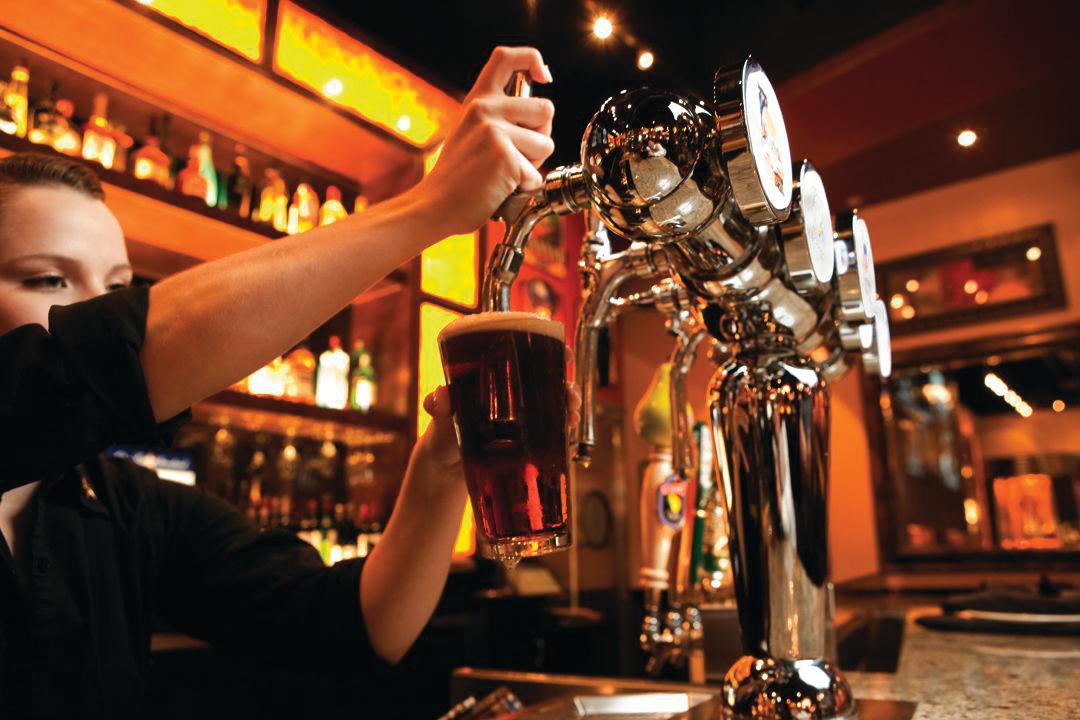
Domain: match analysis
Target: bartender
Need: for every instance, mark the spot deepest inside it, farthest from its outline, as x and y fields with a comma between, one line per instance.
x=94, y=547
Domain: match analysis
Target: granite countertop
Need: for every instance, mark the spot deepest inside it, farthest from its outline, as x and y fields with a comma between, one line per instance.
x=956, y=675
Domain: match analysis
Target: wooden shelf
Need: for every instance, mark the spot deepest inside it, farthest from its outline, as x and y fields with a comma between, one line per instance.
x=270, y=414
x=119, y=47
x=179, y=229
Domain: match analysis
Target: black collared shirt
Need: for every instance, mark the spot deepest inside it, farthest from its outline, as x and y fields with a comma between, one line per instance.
x=109, y=546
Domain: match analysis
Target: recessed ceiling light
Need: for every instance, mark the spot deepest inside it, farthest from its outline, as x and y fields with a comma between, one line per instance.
x=602, y=27
x=645, y=60
x=1033, y=253
x=1058, y=405
x=966, y=138
x=404, y=123
x=912, y=285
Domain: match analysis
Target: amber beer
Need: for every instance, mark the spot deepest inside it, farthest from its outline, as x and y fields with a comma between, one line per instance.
x=506, y=372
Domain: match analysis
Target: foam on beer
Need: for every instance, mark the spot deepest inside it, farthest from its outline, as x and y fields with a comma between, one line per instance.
x=500, y=320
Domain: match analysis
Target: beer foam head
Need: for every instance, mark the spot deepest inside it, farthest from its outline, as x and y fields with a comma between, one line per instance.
x=514, y=321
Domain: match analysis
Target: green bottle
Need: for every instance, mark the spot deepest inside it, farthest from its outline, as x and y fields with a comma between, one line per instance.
x=362, y=378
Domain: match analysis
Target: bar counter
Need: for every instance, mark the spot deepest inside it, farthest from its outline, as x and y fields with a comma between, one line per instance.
x=953, y=675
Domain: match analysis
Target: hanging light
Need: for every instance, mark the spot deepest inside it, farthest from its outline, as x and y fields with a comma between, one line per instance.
x=602, y=27
x=966, y=138
x=645, y=60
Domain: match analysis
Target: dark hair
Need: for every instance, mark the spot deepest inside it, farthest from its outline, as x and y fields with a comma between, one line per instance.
x=28, y=169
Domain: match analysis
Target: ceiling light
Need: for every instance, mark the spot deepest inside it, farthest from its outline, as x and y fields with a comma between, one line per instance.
x=333, y=88
x=1058, y=405
x=645, y=60
x=896, y=301
x=1033, y=253
x=1010, y=396
x=967, y=138
x=602, y=27
x=907, y=312
x=971, y=287
x=912, y=285
x=981, y=297
x=404, y=123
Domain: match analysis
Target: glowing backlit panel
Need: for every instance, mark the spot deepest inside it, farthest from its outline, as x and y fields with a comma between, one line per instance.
x=236, y=24
x=318, y=56
x=448, y=269
x=432, y=320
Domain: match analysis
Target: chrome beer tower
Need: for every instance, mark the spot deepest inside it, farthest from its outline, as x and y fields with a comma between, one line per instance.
x=739, y=241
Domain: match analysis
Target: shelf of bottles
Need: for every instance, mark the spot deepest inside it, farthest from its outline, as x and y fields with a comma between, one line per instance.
x=47, y=107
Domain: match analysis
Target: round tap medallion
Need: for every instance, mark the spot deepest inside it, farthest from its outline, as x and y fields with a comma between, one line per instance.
x=864, y=264
x=817, y=223
x=882, y=339
x=841, y=256
x=768, y=137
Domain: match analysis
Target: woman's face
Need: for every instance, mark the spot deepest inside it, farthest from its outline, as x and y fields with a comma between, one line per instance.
x=57, y=247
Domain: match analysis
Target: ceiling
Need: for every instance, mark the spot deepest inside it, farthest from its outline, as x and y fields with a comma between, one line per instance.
x=873, y=93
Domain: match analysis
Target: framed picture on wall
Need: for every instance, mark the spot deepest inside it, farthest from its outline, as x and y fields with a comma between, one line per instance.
x=1006, y=275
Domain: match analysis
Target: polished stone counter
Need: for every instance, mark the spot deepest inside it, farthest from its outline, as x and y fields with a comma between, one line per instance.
x=957, y=676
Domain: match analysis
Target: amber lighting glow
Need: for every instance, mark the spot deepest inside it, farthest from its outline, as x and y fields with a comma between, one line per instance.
x=1058, y=405
x=448, y=269
x=966, y=138
x=312, y=52
x=912, y=285
x=602, y=27
x=645, y=60
x=1010, y=396
x=907, y=312
x=1033, y=253
x=236, y=24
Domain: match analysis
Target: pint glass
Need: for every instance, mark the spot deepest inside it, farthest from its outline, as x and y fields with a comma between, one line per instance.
x=506, y=372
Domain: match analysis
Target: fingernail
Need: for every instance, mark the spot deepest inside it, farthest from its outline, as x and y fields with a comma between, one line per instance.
x=547, y=73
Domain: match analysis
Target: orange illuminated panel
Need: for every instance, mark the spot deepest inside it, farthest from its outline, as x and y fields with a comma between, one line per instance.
x=432, y=320
x=466, y=539
x=318, y=56
x=236, y=24
x=448, y=269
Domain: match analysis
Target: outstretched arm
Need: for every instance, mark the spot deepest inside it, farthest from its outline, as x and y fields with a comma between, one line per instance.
x=210, y=326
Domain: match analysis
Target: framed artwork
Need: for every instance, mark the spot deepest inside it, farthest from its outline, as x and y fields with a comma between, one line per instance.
x=1007, y=275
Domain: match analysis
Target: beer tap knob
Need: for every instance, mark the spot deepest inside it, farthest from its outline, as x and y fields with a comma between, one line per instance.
x=878, y=356
x=514, y=206
x=806, y=237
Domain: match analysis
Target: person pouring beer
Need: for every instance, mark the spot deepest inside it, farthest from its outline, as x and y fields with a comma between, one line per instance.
x=93, y=547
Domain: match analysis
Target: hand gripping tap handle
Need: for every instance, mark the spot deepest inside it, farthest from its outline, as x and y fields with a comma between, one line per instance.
x=519, y=86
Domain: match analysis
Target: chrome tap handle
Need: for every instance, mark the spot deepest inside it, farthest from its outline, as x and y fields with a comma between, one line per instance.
x=512, y=207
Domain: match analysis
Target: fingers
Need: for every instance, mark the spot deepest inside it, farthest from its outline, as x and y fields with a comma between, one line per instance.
x=502, y=64
x=533, y=113
x=536, y=147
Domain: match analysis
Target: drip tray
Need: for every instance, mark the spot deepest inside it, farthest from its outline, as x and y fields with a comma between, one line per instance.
x=635, y=706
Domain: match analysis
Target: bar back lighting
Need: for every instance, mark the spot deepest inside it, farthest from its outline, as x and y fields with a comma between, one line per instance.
x=315, y=54
x=235, y=24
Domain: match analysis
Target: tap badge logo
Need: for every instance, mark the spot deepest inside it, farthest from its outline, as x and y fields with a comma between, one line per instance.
x=671, y=501
x=768, y=139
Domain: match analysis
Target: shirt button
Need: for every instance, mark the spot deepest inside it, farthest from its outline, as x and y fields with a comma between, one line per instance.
x=41, y=565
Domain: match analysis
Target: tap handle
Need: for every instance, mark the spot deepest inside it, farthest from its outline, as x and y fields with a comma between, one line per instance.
x=519, y=86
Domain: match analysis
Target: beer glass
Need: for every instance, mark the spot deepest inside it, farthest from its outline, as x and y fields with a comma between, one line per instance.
x=506, y=372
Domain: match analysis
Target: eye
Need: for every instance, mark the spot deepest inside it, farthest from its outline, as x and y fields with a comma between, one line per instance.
x=111, y=287
x=45, y=282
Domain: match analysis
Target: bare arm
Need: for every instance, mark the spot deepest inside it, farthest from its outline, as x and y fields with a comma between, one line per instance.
x=212, y=325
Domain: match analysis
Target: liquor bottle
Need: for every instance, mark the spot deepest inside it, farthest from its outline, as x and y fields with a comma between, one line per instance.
x=238, y=184
x=190, y=181
x=99, y=145
x=304, y=210
x=69, y=141
x=361, y=379
x=300, y=369
x=206, y=168
x=327, y=532
x=273, y=204
x=124, y=143
x=332, y=377
x=45, y=123
x=150, y=162
x=15, y=102
x=361, y=204
x=332, y=210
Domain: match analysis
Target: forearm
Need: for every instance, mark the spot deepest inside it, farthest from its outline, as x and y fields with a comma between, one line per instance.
x=211, y=325
x=406, y=572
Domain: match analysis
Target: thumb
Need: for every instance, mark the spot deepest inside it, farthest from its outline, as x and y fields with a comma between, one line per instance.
x=437, y=402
